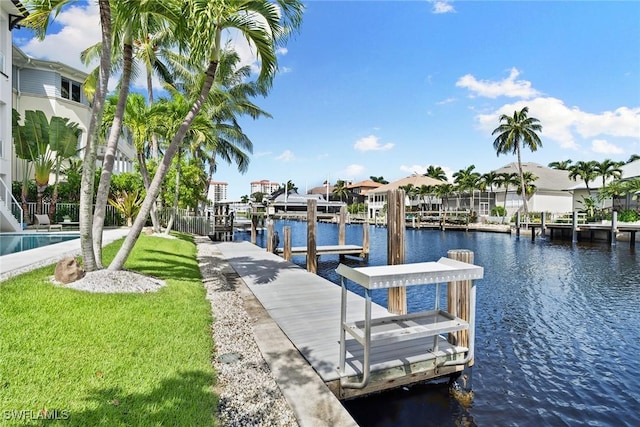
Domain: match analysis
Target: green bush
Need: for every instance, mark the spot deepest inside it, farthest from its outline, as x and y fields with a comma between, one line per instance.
x=497, y=211
x=628, y=215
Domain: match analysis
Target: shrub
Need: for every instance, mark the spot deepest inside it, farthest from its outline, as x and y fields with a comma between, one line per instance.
x=628, y=215
x=497, y=211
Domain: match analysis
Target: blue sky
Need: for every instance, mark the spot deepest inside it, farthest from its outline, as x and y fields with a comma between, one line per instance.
x=388, y=88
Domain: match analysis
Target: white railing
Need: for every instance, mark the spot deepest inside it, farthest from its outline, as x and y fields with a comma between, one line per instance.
x=72, y=210
x=10, y=202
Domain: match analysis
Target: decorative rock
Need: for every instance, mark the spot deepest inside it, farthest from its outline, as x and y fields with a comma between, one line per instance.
x=68, y=270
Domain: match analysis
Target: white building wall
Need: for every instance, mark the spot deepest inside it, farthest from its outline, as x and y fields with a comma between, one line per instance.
x=5, y=94
x=554, y=203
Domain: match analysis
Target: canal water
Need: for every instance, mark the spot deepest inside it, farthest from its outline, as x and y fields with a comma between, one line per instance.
x=557, y=331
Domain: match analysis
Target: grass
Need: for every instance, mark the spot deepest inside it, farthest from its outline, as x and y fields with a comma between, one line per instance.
x=109, y=359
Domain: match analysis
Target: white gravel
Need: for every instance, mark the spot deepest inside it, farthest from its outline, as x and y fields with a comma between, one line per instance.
x=121, y=281
x=249, y=396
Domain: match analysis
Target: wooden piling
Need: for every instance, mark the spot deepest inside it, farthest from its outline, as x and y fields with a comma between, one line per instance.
x=543, y=224
x=518, y=224
x=286, y=251
x=397, y=297
x=458, y=298
x=254, y=225
x=270, y=231
x=614, y=229
x=574, y=227
x=365, y=242
x=312, y=226
x=342, y=220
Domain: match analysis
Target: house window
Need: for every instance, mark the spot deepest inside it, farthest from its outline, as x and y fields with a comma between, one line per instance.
x=70, y=89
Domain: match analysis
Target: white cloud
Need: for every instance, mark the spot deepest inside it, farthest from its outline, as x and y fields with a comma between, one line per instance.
x=509, y=87
x=284, y=70
x=80, y=29
x=603, y=147
x=282, y=51
x=565, y=125
x=353, y=170
x=286, y=156
x=371, y=143
x=442, y=6
x=446, y=101
x=415, y=169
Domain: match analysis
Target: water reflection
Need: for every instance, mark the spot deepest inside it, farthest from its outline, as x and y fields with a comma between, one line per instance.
x=557, y=338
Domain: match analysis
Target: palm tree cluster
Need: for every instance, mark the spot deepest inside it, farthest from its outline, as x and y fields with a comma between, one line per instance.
x=183, y=43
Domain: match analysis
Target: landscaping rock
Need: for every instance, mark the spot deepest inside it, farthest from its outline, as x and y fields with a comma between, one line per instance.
x=68, y=270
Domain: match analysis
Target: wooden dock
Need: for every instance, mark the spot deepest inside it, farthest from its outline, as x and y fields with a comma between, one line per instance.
x=354, y=250
x=307, y=308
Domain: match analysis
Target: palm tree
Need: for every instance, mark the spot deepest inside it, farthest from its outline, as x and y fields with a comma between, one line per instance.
x=586, y=171
x=378, y=179
x=608, y=169
x=613, y=190
x=467, y=180
x=424, y=191
x=340, y=189
x=561, y=165
x=40, y=15
x=528, y=186
x=633, y=158
x=266, y=24
x=436, y=172
x=517, y=130
x=506, y=179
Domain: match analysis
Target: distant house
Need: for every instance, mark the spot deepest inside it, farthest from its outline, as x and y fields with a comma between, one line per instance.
x=264, y=186
x=377, y=197
x=11, y=13
x=551, y=193
x=294, y=202
x=579, y=191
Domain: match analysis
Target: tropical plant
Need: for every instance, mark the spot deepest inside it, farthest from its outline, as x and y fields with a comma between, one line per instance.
x=586, y=171
x=436, y=172
x=608, y=169
x=561, y=165
x=341, y=190
x=633, y=158
x=425, y=191
x=443, y=191
x=46, y=143
x=128, y=204
x=506, y=179
x=528, y=186
x=489, y=179
x=589, y=205
x=514, y=131
x=467, y=180
x=378, y=179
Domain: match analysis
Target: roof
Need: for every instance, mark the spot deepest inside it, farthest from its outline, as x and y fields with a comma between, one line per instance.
x=365, y=184
x=416, y=180
x=548, y=179
x=22, y=59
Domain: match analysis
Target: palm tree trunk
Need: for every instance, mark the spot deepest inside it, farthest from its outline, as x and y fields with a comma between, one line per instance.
x=91, y=149
x=163, y=167
x=522, y=186
x=146, y=180
x=176, y=194
x=109, y=157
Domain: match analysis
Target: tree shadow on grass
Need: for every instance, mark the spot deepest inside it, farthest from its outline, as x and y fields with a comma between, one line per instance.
x=185, y=400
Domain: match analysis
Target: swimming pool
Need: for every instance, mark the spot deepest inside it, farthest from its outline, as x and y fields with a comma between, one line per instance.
x=16, y=242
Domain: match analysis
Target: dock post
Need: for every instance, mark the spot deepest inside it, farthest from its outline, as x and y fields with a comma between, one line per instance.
x=286, y=250
x=254, y=225
x=365, y=242
x=458, y=298
x=397, y=297
x=543, y=224
x=270, y=247
x=574, y=227
x=518, y=225
x=342, y=225
x=614, y=228
x=312, y=261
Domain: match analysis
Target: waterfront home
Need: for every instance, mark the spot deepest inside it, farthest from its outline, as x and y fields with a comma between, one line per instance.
x=377, y=197
x=11, y=13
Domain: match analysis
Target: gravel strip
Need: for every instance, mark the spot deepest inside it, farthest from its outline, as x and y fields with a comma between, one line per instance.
x=121, y=281
x=248, y=394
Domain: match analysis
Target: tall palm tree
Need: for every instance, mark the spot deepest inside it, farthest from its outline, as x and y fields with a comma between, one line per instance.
x=378, y=179
x=266, y=24
x=633, y=158
x=517, y=130
x=608, y=169
x=40, y=16
x=529, y=186
x=586, y=171
x=561, y=165
x=425, y=191
x=436, y=172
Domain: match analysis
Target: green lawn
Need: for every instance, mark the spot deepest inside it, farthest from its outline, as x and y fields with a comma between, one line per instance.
x=110, y=359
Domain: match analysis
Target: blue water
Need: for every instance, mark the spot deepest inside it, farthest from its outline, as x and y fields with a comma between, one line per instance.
x=13, y=243
x=557, y=331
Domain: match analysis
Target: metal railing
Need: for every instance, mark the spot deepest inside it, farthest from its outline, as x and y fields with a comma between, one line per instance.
x=186, y=221
x=10, y=202
x=72, y=210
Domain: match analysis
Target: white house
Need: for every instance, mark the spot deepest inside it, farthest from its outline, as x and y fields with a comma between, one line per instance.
x=377, y=197
x=11, y=13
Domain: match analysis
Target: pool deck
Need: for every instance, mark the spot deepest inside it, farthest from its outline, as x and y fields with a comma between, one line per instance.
x=21, y=262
